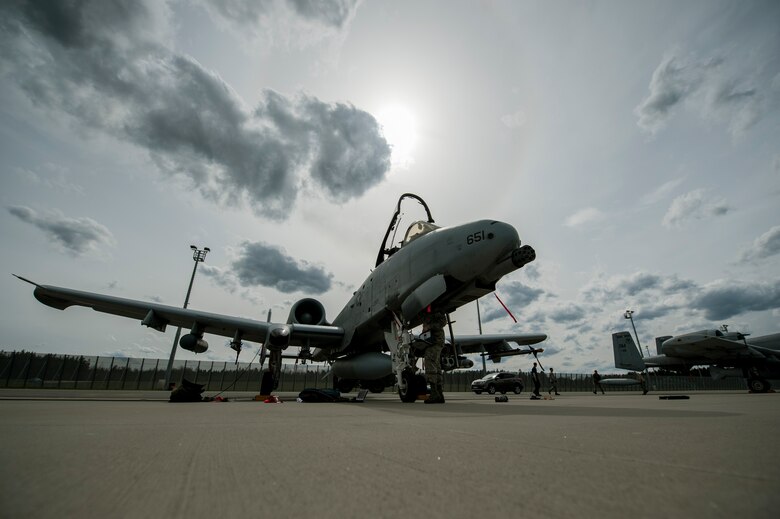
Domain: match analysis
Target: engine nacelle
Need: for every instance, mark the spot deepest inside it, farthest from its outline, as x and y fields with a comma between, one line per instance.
x=193, y=343
x=307, y=311
x=278, y=337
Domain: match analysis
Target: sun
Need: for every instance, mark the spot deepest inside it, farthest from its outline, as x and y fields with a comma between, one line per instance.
x=400, y=130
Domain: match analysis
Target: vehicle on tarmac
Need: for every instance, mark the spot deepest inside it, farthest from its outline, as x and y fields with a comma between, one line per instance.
x=502, y=382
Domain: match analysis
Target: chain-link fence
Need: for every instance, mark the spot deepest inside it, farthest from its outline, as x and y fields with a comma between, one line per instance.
x=37, y=370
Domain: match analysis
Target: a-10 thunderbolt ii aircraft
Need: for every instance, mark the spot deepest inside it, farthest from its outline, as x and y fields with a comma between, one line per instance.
x=757, y=359
x=439, y=267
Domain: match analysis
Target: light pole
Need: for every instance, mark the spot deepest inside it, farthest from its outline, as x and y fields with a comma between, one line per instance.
x=198, y=255
x=629, y=315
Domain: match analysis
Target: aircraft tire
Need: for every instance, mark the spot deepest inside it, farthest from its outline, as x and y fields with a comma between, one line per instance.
x=491, y=389
x=375, y=388
x=345, y=385
x=414, y=384
x=758, y=385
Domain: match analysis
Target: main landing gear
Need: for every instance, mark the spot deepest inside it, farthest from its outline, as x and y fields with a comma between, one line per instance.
x=410, y=383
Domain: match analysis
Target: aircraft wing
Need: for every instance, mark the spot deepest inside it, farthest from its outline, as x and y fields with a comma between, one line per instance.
x=158, y=316
x=497, y=345
x=768, y=352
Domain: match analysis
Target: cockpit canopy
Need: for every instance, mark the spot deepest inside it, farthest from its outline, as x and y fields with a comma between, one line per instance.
x=418, y=229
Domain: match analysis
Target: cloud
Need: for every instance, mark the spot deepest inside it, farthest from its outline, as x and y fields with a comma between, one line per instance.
x=583, y=217
x=695, y=205
x=714, y=88
x=52, y=177
x=77, y=236
x=766, y=245
x=106, y=65
x=725, y=299
x=261, y=264
x=515, y=120
x=567, y=312
x=662, y=192
x=301, y=23
x=517, y=297
x=674, y=80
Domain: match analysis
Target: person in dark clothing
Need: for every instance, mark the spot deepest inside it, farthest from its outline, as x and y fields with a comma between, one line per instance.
x=434, y=321
x=536, y=381
x=597, y=382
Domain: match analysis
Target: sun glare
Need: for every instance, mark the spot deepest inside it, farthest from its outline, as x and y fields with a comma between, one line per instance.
x=400, y=130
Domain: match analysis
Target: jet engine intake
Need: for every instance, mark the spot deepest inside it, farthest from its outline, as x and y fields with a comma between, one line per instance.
x=307, y=311
x=193, y=343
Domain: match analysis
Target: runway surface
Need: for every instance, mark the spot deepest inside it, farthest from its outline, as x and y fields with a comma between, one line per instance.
x=133, y=454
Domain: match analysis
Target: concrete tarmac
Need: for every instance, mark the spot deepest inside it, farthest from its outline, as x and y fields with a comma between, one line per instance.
x=133, y=454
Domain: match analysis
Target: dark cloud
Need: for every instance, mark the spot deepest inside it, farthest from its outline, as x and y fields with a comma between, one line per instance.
x=656, y=311
x=766, y=245
x=638, y=282
x=517, y=297
x=564, y=313
x=76, y=235
x=266, y=265
x=104, y=64
x=723, y=300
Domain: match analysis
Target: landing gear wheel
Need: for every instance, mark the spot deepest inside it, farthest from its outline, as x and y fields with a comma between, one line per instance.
x=758, y=385
x=375, y=388
x=345, y=385
x=491, y=389
x=415, y=385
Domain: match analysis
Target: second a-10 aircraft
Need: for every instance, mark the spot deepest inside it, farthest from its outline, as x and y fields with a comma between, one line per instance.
x=370, y=343
x=757, y=359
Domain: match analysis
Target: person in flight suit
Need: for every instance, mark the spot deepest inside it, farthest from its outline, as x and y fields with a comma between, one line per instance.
x=434, y=322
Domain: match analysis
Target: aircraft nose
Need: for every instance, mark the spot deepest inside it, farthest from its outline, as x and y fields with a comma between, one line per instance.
x=504, y=234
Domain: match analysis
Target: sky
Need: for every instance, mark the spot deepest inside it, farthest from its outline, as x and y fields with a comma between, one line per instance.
x=634, y=145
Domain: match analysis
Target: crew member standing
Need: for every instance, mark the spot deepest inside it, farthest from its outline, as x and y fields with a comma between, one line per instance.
x=553, y=384
x=597, y=382
x=434, y=322
x=641, y=379
x=537, y=382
